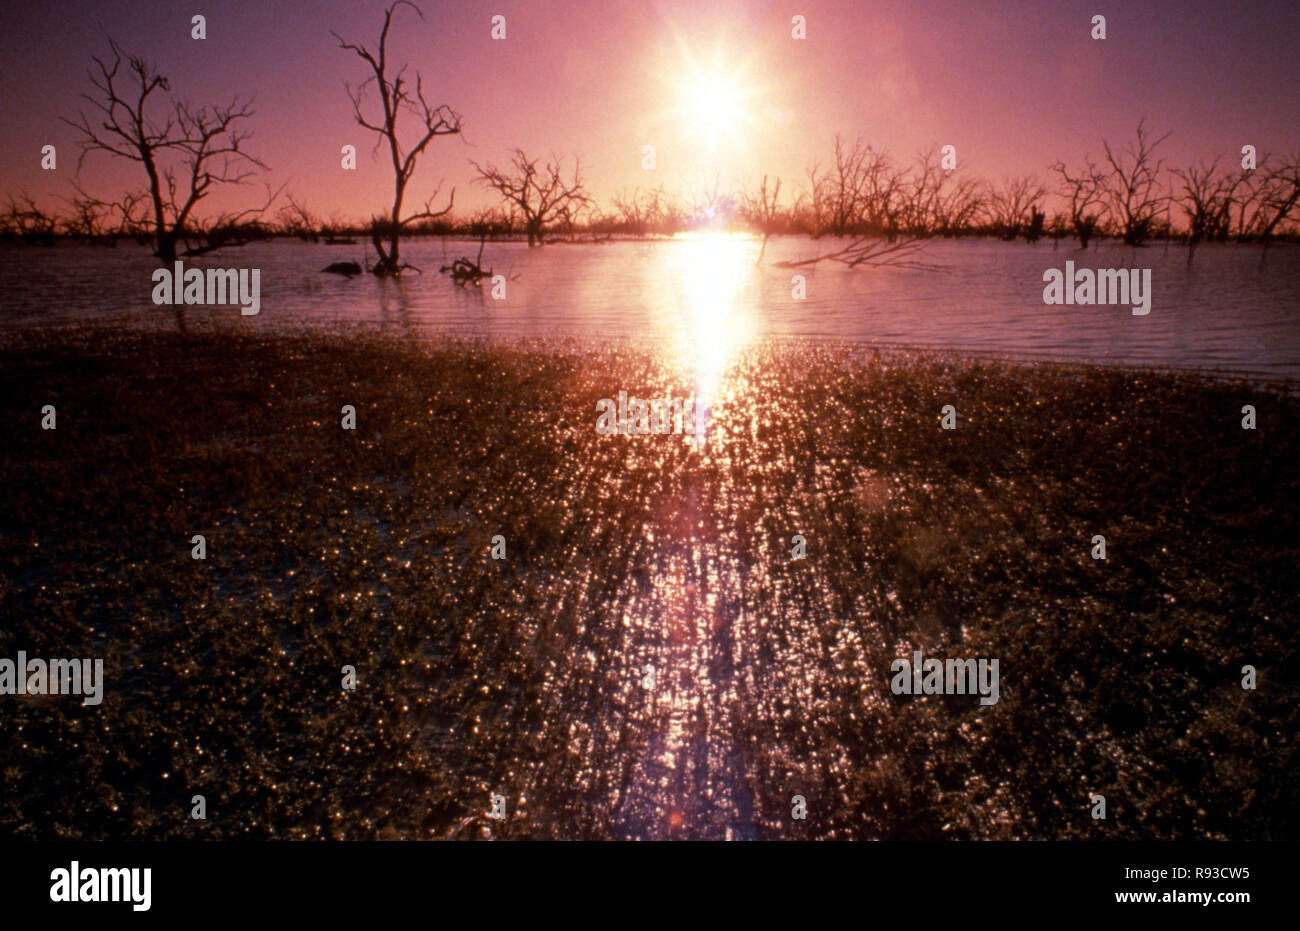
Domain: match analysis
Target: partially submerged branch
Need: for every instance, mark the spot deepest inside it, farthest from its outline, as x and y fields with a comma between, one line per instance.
x=464, y=272
x=871, y=251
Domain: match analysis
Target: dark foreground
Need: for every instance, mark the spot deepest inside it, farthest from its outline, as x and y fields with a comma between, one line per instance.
x=526, y=677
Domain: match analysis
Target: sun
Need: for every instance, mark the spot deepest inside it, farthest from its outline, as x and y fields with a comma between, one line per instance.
x=715, y=103
x=713, y=107
x=713, y=96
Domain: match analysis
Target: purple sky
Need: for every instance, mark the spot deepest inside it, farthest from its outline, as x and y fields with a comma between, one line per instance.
x=1013, y=85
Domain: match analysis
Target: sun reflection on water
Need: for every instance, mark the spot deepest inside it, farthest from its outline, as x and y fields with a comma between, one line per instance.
x=710, y=321
x=685, y=777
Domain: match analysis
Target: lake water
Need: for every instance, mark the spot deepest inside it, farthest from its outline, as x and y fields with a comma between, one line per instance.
x=1225, y=310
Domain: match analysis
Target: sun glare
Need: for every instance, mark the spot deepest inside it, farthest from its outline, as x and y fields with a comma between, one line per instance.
x=712, y=95
x=711, y=272
x=712, y=106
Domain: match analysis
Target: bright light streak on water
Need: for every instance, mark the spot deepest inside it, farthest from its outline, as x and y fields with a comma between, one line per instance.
x=1224, y=310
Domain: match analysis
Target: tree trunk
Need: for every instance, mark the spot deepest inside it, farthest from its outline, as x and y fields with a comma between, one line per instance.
x=393, y=236
x=165, y=239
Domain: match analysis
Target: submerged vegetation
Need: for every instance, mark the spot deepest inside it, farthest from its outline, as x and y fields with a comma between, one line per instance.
x=526, y=676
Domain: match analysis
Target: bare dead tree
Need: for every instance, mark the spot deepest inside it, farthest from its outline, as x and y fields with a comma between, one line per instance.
x=861, y=191
x=24, y=219
x=131, y=211
x=601, y=225
x=536, y=193
x=1247, y=193
x=922, y=189
x=935, y=200
x=882, y=194
x=1280, y=194
x=842, y=189
x=1133, y=185
x=1013, y=209
x=667, y=210
x=760, y=208
x=334, y=225
x=1058, y=227
x=465, y=271
x=487, y=221
x=1085, y=191
x=184, y=152
x=1266, y=199
x=706, y=198
x=88, y=217
x=231, y=228
x=958, y=205
x=297, y=220
x=396, y=98
x=566, y=220
x=632, y=212
x=1206, y=200
x=654, y=211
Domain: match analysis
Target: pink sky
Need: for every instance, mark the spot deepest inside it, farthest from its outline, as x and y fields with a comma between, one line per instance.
x=1013, y=86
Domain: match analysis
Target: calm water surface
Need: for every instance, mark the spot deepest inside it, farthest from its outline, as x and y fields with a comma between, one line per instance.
x=1225, y=310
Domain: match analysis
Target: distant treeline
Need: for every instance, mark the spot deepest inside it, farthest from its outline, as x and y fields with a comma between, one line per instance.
x=860, y=191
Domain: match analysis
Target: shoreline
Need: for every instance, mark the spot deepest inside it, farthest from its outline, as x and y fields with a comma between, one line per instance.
x=433, y=337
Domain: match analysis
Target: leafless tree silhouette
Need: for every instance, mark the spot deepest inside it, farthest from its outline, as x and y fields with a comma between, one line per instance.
x=632, y=211
x=536, y=194
x=1207, y=201
x=1133, y=185
x=654, y=211
x=297, y=220
x=707, y=200
x=395, y=98
x=760, y=208
x=937, y=200
x=1013, y=207
x=862, y=192
x=1085, y=190
x=89, y=217
x=1279, y=194
x=185, y=152
x=25, y=219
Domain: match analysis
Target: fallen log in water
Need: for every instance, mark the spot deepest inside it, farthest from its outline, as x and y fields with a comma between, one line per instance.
x=464, y=272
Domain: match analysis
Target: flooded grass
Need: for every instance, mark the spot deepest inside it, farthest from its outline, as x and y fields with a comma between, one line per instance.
x=524, y=676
